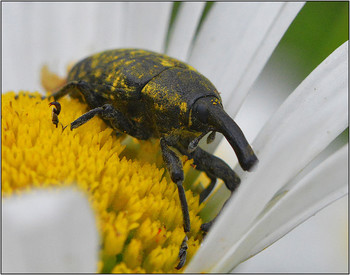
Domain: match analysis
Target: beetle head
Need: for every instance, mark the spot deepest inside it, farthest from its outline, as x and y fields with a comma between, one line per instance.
x=208, y=114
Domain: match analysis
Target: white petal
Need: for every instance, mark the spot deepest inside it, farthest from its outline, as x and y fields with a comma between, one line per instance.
x=54, y=34
x=302, y=127
x=60, y=33
x=109, y=20
x=185, y=26
x=147, y=25
x=49, y=231
x=234, y=43
x=323, y=185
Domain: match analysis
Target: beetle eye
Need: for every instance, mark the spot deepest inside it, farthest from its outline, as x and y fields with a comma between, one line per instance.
x=202, y=113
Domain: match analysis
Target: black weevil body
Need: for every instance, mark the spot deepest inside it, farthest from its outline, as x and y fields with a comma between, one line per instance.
x=150, y=95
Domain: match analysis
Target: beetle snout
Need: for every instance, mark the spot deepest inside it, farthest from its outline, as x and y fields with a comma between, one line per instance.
x=210, y=111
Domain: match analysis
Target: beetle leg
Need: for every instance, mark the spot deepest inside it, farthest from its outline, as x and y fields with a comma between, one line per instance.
x=120, y=122
x=174, y=166
x=116, y=119
x=214, y=167
x=205, y=193
x=182, y=253
x=85, y=117
x=77, y=89
x=55, y=112
x=66, y=89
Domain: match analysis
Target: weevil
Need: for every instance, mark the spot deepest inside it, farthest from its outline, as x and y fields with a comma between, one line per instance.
x=150, y=95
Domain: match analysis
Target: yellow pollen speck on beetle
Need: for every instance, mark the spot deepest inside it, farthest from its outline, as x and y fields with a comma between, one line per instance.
x=98, y=73
x=183, y=107
x=94, y=63
x=138, y=212
x=109, y=77
x=166, y=63
x=82, y=74
x=215, y=101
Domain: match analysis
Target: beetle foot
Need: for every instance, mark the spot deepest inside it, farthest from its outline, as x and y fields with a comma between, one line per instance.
x=55, y=112
x=182, y=253
x=206, y=226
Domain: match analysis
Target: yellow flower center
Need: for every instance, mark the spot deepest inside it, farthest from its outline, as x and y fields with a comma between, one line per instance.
x=137, y=207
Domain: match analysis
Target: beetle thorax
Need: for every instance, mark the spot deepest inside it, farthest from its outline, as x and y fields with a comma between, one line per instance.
x=171, y=94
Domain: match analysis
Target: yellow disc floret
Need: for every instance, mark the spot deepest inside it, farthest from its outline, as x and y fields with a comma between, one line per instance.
x=137, y=207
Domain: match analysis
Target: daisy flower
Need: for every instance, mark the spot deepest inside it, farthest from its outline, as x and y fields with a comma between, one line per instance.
x=89, y=201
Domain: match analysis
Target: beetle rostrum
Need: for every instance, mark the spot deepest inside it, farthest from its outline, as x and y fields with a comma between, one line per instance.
x=150, y=95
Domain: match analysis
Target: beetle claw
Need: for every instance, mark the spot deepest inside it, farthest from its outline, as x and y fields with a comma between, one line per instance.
x=55, y=119
x=55, y=112
x=182, y=253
